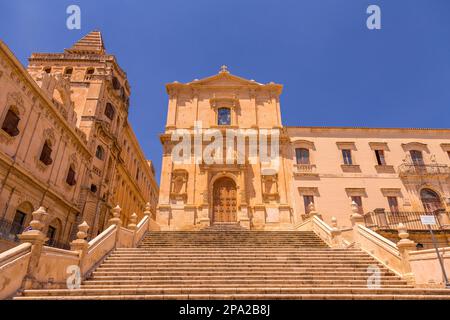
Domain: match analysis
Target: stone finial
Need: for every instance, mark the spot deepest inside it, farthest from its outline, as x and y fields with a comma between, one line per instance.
x=355, y=208
x=356, y=217
x=133, y=220
x=39, y=219
x=312, y=210
x=82, y=231
x=334, y=222
x=116, y=211
x=148, y=209
x=405, y=242
x=402, y=231
x=116, y=216
x=311, y=207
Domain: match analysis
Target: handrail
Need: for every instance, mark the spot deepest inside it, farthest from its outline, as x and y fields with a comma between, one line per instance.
x=325, y=227
x=13, y=253
x=101, y=236
x=143, y=220
x=375, y=237
x=61, y=251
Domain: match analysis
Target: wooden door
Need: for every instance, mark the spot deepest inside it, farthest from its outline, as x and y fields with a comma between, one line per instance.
x=224, y=201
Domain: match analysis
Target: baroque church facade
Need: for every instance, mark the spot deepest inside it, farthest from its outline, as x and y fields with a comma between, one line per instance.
x=321, y=170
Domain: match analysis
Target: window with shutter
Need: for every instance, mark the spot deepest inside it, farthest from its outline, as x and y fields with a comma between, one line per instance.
x=71, y=177
x=46, y=154
x=10, y=124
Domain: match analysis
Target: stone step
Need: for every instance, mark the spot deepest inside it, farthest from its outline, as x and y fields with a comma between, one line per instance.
x=236, y=290
x=231, y=278
x=166, y=258
x=259, y=296
x=106, y=272
x=227, y=283
x=348, y=273
x=246, y=266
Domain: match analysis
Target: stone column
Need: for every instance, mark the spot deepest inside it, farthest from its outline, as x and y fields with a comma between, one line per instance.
x=81, y=245
x=37, y=238
x=404, y=247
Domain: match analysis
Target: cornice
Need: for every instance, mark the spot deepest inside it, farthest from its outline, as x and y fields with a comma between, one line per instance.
x=42, y=96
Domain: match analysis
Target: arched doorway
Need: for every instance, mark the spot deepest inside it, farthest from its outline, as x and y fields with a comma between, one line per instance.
x=224, y=200
x=431, y=200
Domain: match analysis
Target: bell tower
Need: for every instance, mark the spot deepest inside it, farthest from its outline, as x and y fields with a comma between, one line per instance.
x=100, y=93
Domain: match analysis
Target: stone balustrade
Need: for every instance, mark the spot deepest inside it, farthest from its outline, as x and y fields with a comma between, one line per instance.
x=32, y=264
x=419, y=268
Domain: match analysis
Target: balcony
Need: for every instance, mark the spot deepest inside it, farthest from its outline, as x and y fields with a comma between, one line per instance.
x=305, y=169
x=424, y=170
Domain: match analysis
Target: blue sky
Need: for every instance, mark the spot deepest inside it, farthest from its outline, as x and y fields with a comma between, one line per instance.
x=335, y=71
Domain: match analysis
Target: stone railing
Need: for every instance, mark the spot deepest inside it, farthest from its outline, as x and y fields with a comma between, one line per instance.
x=330, y=235
x=34, y=265
x=420, y=268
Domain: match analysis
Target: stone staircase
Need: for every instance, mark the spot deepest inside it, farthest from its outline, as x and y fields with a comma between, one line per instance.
x=237, y=264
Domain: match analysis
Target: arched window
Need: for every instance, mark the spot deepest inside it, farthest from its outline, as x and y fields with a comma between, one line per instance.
x=100, y=153
x=11, y=122
x=48, y=69
x=71, y=181
x=302, y=155
x=46, y=153
x=90, y=71
x=109, y=111
x=223, y=117
x=431, y=200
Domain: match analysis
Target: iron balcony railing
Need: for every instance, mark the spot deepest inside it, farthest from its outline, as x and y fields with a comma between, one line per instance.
x=423, y=169
x=384, y=220
x=305, y=168
x=9, y=231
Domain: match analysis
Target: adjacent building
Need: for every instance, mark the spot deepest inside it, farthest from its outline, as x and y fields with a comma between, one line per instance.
x=66, y=143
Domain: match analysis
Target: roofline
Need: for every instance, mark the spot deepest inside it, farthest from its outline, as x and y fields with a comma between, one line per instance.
x=366, y=128
x=21, y=69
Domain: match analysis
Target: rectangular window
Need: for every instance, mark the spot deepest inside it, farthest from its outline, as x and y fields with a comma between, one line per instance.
x=347, y=156
x=416, y=157
x=380, y=157
x=302, y=155
x=393, y=204
x=358, y=201
x=307, y=200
